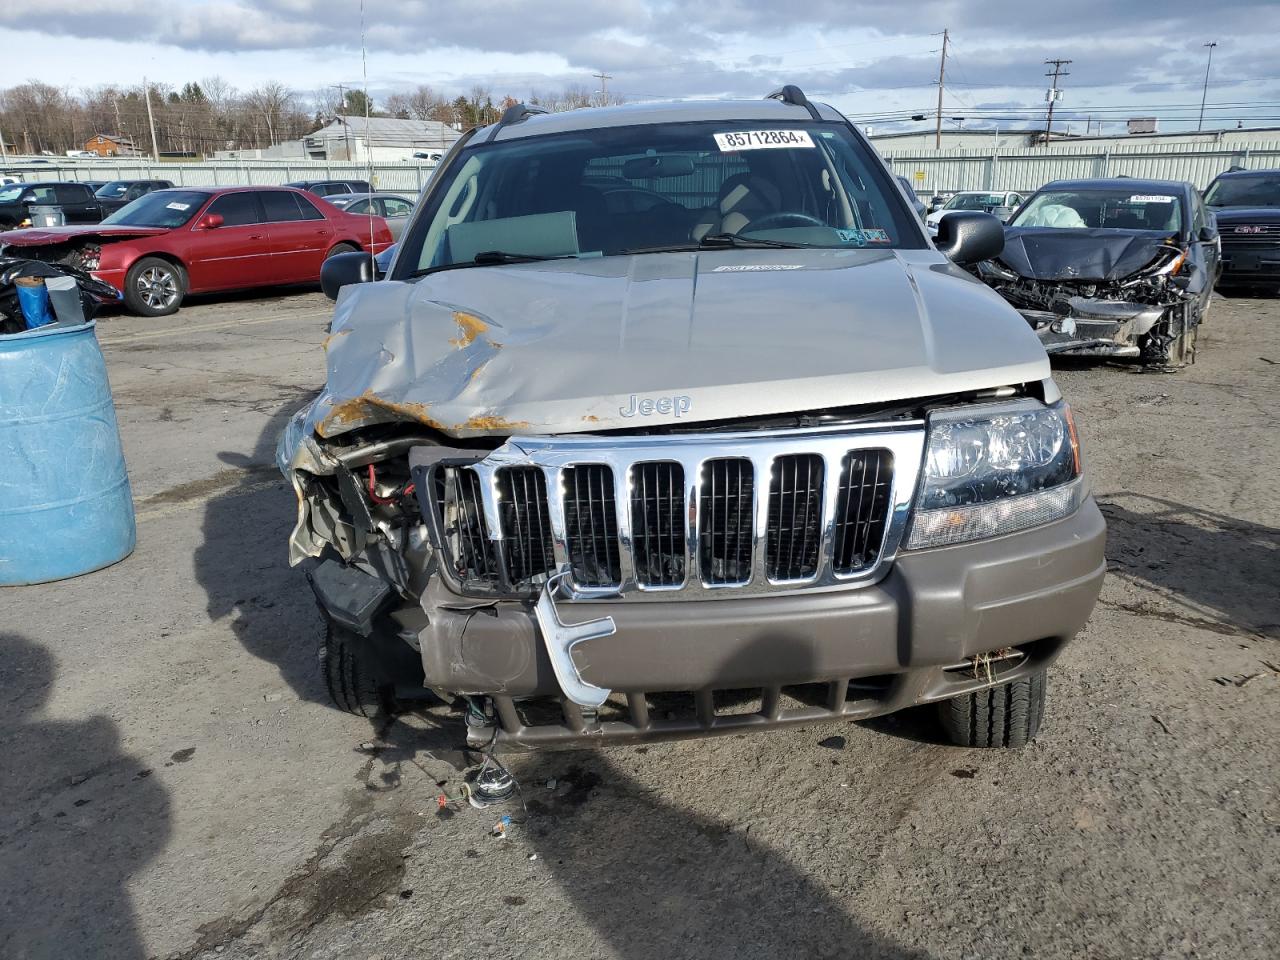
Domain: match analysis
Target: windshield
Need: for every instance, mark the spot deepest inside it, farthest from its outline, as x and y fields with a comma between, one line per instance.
x=1105, y=209
x=1261, y=191
x=113, y=190
x=975, y=201
x=623, y=190
x=10, y=194
x=165, y=208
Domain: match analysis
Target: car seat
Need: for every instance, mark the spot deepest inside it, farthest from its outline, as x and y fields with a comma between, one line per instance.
x=742, y=198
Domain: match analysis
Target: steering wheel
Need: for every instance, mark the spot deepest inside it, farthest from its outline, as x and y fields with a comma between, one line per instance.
x=784, y=219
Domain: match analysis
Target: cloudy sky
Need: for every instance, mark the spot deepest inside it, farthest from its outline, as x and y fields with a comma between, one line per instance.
x=875, y=59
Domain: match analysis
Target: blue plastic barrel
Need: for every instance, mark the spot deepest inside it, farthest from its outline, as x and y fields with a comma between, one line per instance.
x=65, y=503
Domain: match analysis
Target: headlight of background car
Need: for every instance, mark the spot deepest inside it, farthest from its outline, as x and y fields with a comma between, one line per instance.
x=996, y=470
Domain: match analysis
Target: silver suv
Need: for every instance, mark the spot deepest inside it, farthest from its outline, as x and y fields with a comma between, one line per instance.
x=670, y=420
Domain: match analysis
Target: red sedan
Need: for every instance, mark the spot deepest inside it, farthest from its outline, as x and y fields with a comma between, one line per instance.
x=170, y=243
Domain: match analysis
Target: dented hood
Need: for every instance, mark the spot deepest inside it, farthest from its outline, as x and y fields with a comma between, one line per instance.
x=1052, y=253
x=45, y=236
x=627, y=342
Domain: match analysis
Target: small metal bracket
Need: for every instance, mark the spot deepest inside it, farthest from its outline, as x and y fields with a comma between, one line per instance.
x=561, y=638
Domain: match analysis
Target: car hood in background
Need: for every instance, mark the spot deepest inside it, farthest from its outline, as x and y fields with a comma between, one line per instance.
x=46, y=236
x=1053, y=253
x=1246, y=214
x=580, y=345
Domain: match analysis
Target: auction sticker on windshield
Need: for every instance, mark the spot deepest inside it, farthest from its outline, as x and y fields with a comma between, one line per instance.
x=1151, y=198
x=762, y=140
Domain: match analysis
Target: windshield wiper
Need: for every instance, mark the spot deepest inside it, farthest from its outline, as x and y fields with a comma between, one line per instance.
x=720, y=241
x=487, y=258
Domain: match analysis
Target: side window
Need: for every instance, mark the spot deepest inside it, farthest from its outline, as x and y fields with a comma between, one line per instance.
x=396, y=208
x=307, y=208
x=1197, y=217
x=360, y=206
x=72, y=193
x=329, y=189
x=39, y=195
x=280, y=206
x=237, y=209
x=137, y=190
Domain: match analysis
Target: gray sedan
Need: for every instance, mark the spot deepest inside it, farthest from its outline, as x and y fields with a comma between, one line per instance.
x=392, y=207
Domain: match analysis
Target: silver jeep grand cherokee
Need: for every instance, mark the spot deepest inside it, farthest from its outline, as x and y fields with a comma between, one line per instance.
x=670, y=420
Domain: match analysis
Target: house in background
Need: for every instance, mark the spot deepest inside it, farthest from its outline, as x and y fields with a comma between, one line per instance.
x=378, y=138
x=110, y=145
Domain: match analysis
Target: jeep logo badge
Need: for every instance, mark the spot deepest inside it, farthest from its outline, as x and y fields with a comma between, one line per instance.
x=648, y=406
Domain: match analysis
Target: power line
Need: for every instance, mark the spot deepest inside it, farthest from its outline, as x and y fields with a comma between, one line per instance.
x=1053, y=94
x=1205, y=94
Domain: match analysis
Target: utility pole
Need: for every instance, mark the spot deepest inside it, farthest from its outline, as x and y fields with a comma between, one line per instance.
x=1205, y=94
x=1053, y=94
x=151, y=121
x=604, y=79
x=342, y=105
x=942, y=77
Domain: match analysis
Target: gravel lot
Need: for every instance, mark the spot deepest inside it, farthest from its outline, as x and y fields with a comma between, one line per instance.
x=175, y=783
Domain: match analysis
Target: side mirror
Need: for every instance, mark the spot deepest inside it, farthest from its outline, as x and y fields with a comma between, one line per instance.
x=211, y=221
x=343, y=269
x=1208, y=233
x=969, y=237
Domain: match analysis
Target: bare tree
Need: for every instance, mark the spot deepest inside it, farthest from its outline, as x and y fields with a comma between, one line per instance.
x=274, y=104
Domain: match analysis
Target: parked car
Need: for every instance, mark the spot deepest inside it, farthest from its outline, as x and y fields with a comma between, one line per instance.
x=1000, y=205
x=75, y=201
x=1246, y=208
x=939, y=200
x=94, y=185
x=912, y=198
x=117, y=193
x=325, y=188
x=1113, y=268
x=392, y=207
x=169, y=243
x=759, y=454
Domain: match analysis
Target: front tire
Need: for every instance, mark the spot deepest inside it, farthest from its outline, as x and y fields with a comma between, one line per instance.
x=154, y=287
x=340, y=248
x=1008, y=715
x=355, y=678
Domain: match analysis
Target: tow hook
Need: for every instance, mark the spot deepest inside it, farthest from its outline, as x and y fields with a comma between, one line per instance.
x=561, y=638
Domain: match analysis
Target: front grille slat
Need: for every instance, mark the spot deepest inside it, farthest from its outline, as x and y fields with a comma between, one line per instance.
x=657, y=523
x=726, y=525
x=526, y=524
x=795, y=512
x=461, y=515
x=862, y=509
x=591, y=526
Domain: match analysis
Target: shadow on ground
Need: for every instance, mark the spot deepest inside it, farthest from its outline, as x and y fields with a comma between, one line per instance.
x=1214, y=566
x=242, y=564
x=80, y=819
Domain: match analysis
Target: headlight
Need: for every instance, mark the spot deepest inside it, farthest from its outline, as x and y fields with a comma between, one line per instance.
x=990, y=269
x=996, y=470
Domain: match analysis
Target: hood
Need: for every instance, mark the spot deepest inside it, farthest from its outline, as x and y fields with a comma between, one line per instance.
x=1052, y=253
x=1246, y=214
x=46, y=236
x=627, y=342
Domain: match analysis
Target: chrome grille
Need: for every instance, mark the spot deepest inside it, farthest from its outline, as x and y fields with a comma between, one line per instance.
x=657, y=524
x=726, y=521
x=684, y=516
x=1246, y=234
x=795, y=515
x=591, y=526
x=526, y=525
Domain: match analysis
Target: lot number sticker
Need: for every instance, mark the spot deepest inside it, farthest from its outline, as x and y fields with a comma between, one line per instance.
x=762, y=140
x=1150, y=198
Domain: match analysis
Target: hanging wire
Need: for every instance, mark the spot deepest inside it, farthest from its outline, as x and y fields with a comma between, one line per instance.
x=368, y=142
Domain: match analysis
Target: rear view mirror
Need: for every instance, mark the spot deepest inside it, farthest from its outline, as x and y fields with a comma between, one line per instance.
x=648, y=168
x=969, y=237
x=343, y=269
x=211, y=221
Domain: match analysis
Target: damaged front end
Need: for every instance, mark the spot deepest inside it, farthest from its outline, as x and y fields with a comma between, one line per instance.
x=1144, y=314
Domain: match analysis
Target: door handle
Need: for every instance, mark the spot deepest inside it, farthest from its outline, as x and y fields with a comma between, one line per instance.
x=255, y=236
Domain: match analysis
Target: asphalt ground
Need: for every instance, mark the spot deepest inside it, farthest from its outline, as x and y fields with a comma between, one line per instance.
x=174, y=783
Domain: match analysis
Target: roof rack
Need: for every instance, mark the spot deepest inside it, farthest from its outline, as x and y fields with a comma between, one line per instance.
x=515, y=114
x=793, y=95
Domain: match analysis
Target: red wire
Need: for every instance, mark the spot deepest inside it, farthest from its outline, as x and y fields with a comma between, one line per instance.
x=373, y=478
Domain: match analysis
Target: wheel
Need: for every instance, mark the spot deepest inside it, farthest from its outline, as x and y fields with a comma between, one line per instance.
x=340, y=248
x=154, y=287
x=1005, y=716
x=354, y=675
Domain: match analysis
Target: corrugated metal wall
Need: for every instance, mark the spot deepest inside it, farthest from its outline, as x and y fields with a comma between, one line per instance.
x=959, y=168
x=1027, y=168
